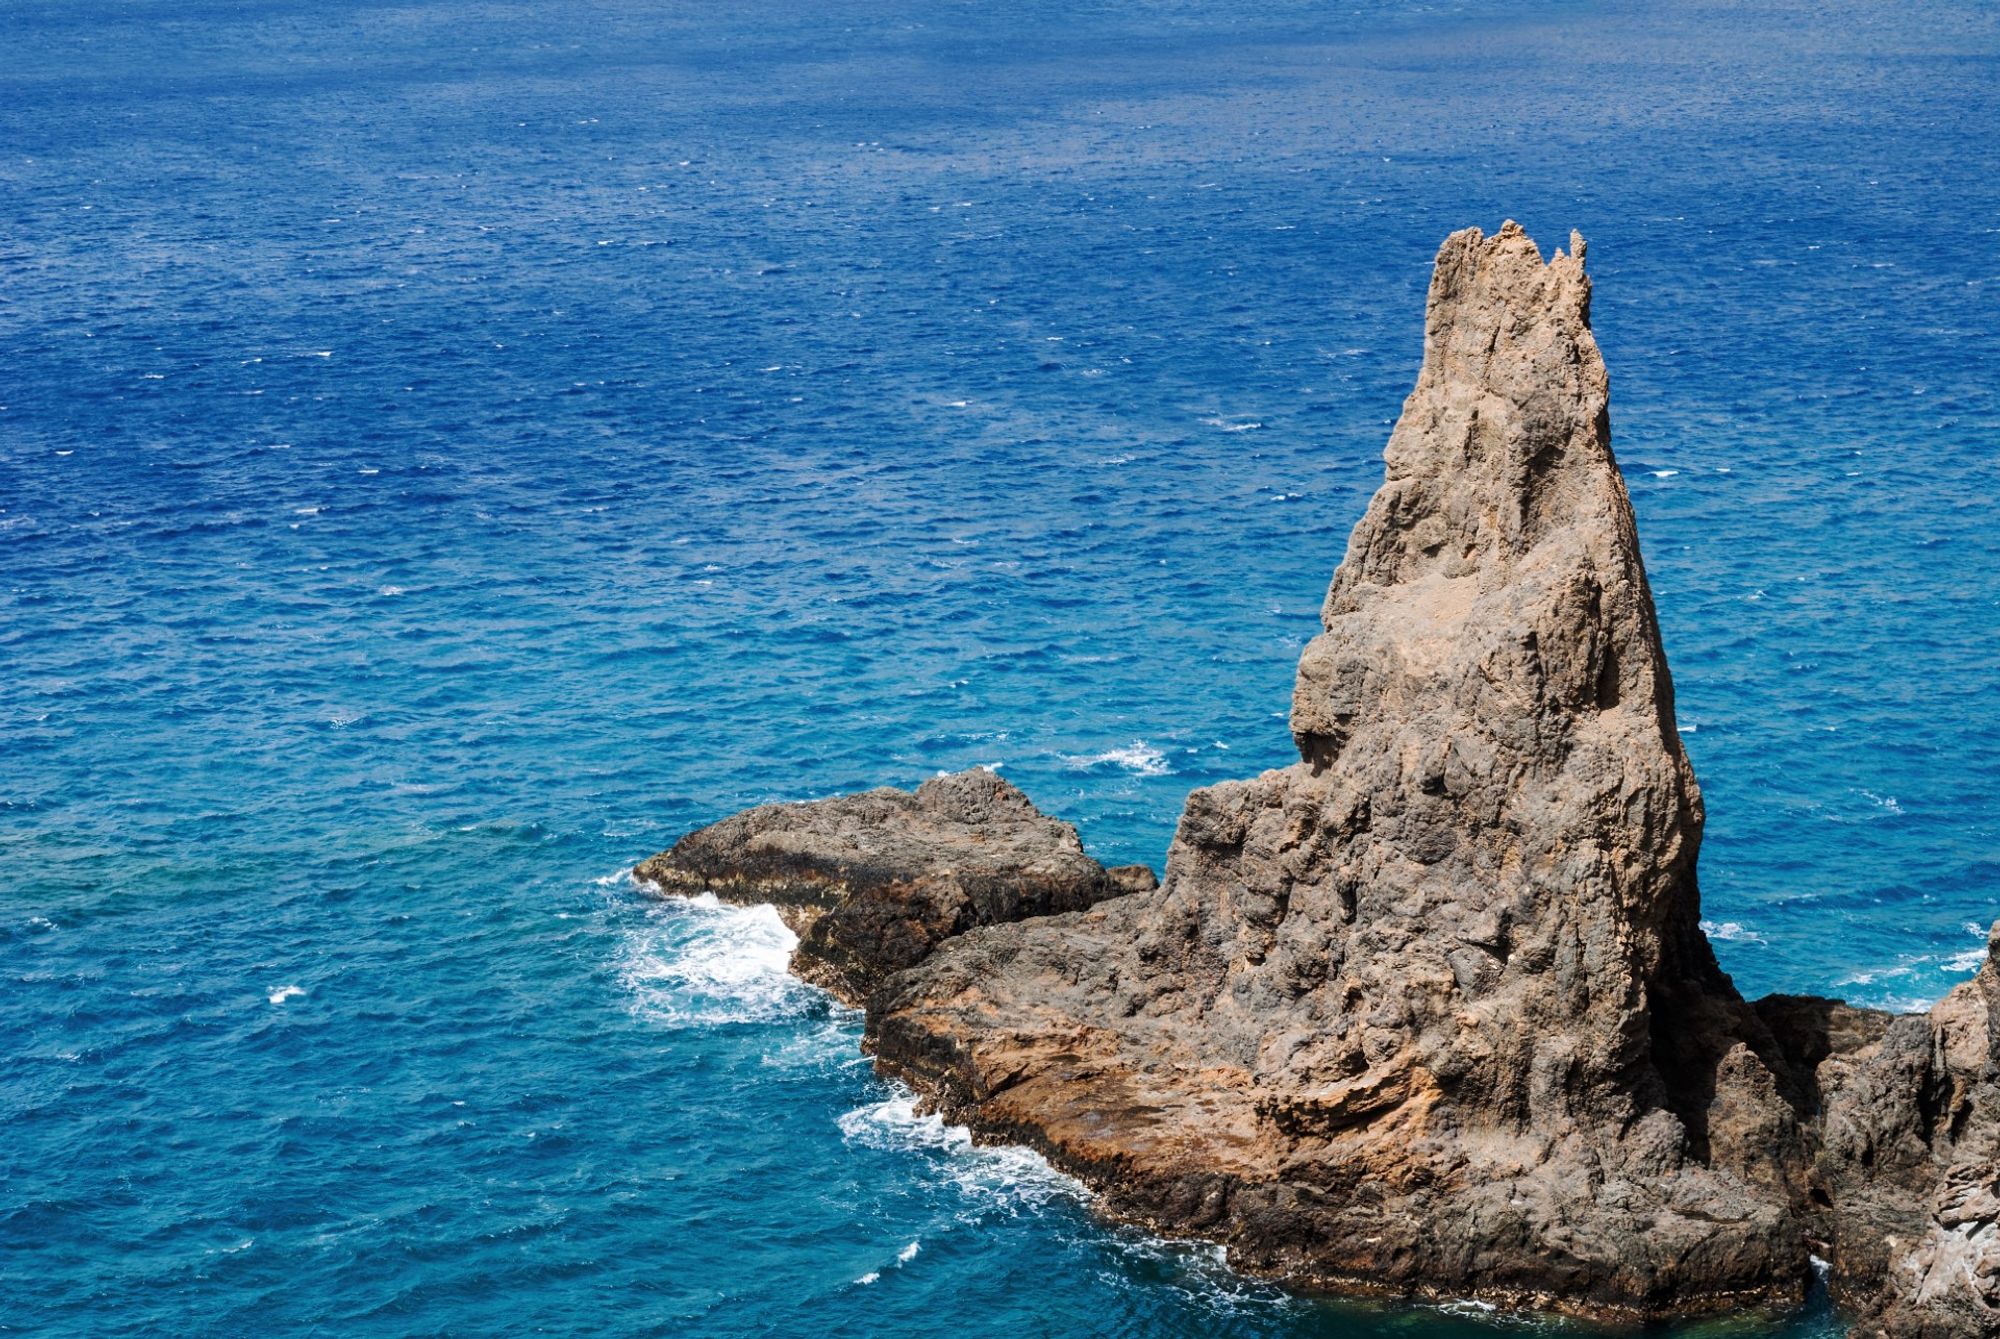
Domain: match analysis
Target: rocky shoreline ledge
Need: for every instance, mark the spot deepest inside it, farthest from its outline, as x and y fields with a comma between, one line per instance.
x=1428, y=1012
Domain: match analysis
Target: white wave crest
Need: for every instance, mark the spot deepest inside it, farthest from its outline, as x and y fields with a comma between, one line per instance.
x=1886, y=803
x=1138, y=757
x=1003, y=1177
x=1731, y=931
x=692, y=962
x=1969, y=961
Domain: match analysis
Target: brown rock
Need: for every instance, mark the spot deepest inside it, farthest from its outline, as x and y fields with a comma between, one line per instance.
x=872, y=882
x=1909, y=1150
x=1428, y=1011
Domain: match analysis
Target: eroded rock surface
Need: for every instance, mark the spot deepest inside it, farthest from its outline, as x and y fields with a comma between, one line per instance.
x=1430, y=1011
x=1909, y=1149
x=872, y=882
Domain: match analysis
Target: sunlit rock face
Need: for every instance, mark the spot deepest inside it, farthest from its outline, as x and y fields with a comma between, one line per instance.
x=1430, y=1009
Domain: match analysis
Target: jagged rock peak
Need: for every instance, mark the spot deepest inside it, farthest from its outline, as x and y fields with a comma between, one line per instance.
x=1504, y=438
x=1490, y=623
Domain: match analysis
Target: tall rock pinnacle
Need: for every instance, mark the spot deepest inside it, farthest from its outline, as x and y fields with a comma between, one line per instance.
x=1490, y=688
x=1422, y=1008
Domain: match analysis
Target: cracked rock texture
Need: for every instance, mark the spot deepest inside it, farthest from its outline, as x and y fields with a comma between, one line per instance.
x=1909, y=1146
x=1429, y=1011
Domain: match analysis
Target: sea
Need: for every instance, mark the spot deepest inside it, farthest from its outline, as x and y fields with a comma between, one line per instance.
x=450, y=448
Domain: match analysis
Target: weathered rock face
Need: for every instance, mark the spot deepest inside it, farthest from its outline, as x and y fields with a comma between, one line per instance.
x=1910, y=1150
x=872, y=882
x=1429, y=1011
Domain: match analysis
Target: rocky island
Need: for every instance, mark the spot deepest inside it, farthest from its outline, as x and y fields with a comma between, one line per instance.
x=1430, y=1011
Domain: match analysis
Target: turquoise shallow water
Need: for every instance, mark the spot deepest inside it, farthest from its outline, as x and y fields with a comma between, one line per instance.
x=449, y=449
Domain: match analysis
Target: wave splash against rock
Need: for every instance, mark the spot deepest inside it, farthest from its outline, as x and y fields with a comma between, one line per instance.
x=1429, y=1011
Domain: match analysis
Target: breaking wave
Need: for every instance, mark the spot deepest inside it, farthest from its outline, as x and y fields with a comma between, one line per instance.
x=693, y=962
x=1004, y=1177
x=1138, y=757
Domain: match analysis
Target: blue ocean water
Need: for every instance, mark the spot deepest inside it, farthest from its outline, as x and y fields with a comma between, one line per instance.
x=449, y=448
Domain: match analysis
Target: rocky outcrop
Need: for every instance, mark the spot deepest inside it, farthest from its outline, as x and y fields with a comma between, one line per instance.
x=872, y=882
x=1430, y=1011
x=1905, y=1150
x=1909, y=1150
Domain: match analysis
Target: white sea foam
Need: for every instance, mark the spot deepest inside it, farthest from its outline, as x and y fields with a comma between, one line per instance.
x=870, y=1277
x=1876, y=974
x=692, y=962
x=1968, y=961
x=1732, y=932
x=1901, y=973
x=1002, y=1177
x=1200, y=1272
x=1887, y=803
x=908, y=1253
x=1228, y=425
x=1906, y=1004
x=833, y=1044
x=283, y=993
x=1488, y=1318
x=1138, y=756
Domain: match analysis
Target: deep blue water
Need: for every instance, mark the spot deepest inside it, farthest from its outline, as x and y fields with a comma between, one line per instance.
x=448, y=449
